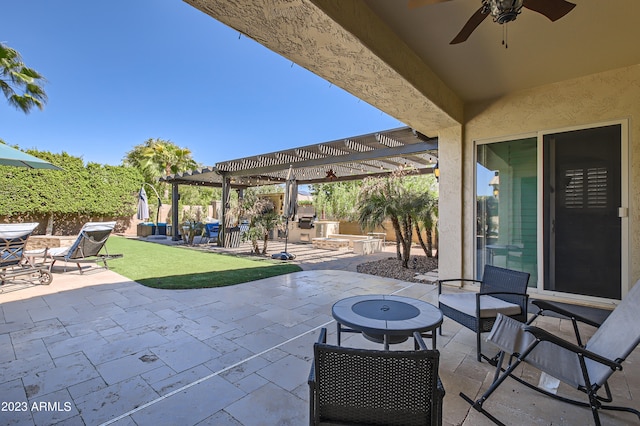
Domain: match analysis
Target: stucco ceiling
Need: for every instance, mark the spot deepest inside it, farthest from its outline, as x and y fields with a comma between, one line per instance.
x=597, y=35
x=400, y=60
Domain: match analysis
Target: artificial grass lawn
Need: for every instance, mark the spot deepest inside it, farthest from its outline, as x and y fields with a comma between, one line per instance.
x=174, y=267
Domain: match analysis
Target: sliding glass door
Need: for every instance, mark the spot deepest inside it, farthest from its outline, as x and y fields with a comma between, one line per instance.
x=554, y=205
x=506, y=205
x=582, y=227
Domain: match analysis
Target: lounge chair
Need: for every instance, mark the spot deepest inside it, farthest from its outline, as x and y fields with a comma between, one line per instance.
x=576, y=313
x=373, y=387
x=13, y=262
x=501, y=291
x=86, y=248
x=586, y=368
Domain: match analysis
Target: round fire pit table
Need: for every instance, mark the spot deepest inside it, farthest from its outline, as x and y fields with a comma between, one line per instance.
x=386, y=319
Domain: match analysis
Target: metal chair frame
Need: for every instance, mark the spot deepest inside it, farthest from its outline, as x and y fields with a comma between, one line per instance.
x=618, y=334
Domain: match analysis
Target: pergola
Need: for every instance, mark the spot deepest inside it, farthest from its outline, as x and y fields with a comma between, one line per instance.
x=354, y=158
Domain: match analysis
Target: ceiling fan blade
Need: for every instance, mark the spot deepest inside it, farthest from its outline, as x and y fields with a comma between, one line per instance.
x=552, y=9
x=473, y=22
x=414, y=4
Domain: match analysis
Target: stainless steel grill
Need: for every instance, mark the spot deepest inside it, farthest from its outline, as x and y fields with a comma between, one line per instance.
x=305, y=223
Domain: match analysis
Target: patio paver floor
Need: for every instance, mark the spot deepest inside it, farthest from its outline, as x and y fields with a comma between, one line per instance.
x=100, y=349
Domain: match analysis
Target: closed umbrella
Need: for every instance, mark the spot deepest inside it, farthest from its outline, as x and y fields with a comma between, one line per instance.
x=143, y=209
x=291, y=196
x=13, y=157
x=290, y=209
x=143, y=205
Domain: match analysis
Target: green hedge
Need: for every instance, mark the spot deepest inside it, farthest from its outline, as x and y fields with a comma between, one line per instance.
x=88, y=190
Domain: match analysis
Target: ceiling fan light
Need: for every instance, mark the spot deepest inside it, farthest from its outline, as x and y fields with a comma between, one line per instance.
x=504, y=11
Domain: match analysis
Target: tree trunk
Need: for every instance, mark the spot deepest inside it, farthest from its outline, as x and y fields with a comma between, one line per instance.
x=399, y=239
x=430, y=242
x=264, y=245
x=426, y=249
x=406, y=246
x=49, y=230
x=435, y=234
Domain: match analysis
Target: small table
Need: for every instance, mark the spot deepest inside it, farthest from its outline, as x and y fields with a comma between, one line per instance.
x=386, y=319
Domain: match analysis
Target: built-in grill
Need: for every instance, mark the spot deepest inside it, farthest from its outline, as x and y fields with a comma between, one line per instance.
x=305, y=222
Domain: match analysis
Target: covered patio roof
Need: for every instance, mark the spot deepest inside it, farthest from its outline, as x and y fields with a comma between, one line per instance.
x=351, y=158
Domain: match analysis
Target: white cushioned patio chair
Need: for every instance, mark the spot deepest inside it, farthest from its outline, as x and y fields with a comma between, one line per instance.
x=502, y=291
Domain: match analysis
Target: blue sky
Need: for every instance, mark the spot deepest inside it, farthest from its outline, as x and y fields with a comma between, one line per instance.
x=122, y=71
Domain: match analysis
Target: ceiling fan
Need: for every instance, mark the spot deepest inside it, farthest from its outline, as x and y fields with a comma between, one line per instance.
x=503, y=11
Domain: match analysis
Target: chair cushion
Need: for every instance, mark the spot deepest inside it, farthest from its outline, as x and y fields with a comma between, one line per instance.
x=489, y=306
x=58, y=251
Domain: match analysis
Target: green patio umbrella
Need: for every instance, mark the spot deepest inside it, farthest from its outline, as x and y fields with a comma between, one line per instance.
x=12, y=157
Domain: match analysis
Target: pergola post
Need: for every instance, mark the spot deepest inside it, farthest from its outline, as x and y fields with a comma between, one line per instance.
x=175, y=197
x=226, y=186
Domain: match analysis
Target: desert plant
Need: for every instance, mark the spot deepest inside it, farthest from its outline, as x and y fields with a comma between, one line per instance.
x=263, y=218
x=192, y=223
x=404, y=200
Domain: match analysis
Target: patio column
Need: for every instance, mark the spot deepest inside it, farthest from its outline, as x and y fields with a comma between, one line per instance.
x=175, y=197
x=451, y=253
x=226, y=186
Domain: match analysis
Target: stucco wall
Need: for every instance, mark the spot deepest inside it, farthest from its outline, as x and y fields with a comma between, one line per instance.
x=614, y=95
x=450, y=161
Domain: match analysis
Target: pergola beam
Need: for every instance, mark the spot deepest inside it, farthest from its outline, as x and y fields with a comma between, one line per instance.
x=361, y=157
x=375, y=154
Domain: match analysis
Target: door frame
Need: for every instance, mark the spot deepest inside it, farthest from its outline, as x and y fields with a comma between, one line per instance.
x=623, y=211
x=625, y=161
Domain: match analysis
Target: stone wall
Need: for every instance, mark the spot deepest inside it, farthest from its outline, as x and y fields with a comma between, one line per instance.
x=353, y=228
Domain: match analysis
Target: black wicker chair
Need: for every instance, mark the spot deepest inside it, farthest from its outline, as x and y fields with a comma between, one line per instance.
x=374, y=387
x=501, y=291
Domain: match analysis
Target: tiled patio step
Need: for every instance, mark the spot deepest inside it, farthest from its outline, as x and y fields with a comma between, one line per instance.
x=430, y=277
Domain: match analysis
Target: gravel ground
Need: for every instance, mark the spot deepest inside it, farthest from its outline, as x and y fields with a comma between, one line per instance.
x=392, y=267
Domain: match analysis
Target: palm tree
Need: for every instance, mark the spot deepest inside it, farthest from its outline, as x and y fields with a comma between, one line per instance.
x=263, y=218
x=387, y=198
x=423, y=198
x=427, y=217
x=16, y=76
x=157, y=157
x=408, y=202
x=374, y=206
